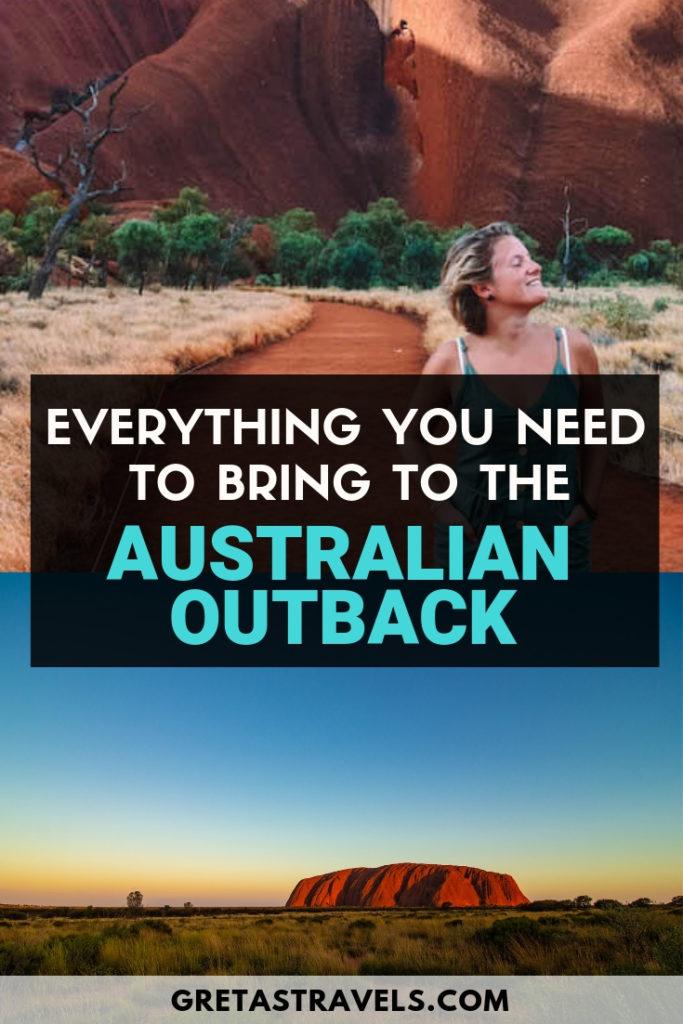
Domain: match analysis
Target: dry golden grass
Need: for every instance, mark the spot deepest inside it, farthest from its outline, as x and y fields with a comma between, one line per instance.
x=471, y=942
x=74, y=331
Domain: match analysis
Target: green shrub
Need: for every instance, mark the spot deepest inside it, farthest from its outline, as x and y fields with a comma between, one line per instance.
x=122, y=931
x=577, y=263
x=141, y=246
x=197, y=244
x=606, y=244
x=669, y=953
x=81, y=951
x=15, y=282
x=189, y=201
x=623, y=316
x=355, y=266
x=19, y=959
x=382, y=228
x=653, y=263
x=641, y=266
x=32, y=231
x=420, y=265
x=660, y=305
x=501, y=932
x=536, y=905
x=605, y=278
x=296, y=250
x=158, y=925
x=7, y=222
x=511, y=934
x=674, y=270
x=298, y=220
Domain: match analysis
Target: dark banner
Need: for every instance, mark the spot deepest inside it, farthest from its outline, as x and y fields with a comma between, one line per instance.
x=383, y=520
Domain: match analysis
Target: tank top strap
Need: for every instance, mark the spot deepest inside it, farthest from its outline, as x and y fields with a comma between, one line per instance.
x=465, y=364
x=562, y=366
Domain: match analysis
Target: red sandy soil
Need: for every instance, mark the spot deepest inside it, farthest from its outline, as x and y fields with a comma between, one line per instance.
x=278, y=104
x=408, y=885
x=347, y=339
x=341, y=338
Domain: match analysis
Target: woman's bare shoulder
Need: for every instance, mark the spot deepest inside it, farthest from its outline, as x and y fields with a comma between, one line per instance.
x=444, y=360
x=584, y=359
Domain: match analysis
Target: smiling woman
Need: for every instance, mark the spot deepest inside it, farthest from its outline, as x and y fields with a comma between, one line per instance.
x=492, y=285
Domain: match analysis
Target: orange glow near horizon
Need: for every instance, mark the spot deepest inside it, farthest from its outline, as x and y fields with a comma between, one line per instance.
x=79, y=883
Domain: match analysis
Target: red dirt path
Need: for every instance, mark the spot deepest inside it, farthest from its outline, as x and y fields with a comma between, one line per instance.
x=342, y=338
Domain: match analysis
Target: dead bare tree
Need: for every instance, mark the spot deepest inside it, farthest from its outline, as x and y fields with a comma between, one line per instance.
x=75, y=171
x=568, y=227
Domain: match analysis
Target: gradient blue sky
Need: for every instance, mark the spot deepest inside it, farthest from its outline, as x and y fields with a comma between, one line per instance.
x=226, y=786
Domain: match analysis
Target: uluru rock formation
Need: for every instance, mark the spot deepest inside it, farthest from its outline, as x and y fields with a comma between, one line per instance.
x=408, y=885
x=265, y=106
x=285, y=102
x=519, y=97
x=48, y=47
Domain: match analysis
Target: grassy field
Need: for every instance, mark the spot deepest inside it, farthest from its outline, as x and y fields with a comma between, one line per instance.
x=478, y=942
x=114, y=331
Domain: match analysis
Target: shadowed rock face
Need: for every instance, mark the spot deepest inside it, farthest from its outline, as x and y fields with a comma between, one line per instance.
x=519, y=97
x=408, y=885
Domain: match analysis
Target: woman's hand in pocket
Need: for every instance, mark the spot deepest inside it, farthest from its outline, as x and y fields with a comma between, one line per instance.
x=448, y=515
x=577, y=515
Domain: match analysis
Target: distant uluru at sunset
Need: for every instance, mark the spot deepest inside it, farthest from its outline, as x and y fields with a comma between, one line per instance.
x=408, y=885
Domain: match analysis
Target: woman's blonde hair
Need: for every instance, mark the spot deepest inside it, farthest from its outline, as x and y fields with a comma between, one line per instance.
x=468, y=262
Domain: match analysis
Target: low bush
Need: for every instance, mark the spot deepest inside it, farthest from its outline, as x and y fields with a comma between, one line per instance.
x=158, y=925
x=624, y=316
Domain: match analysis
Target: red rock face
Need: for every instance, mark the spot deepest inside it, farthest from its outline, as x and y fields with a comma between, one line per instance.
x=408, y=885
x=488, y=108
x=265, y=106
x=18, y=181
x=47, y=46
x=519, y=97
